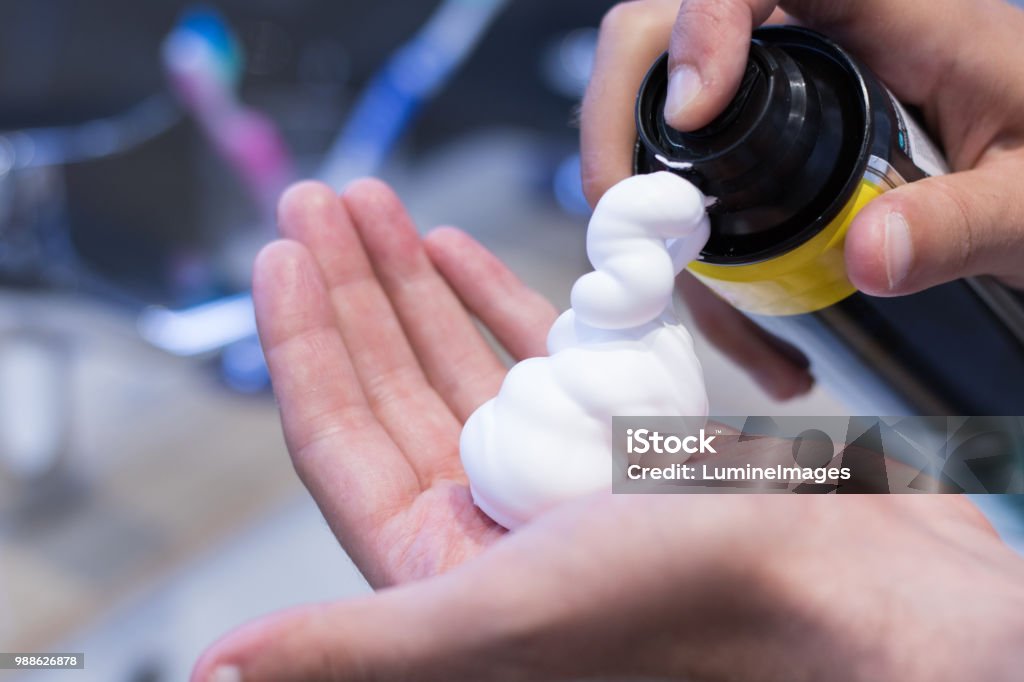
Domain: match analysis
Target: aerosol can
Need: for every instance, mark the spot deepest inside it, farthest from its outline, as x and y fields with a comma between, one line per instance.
x=811, y=137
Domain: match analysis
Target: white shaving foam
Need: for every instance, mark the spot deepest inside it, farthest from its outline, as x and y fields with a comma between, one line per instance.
x=620, y=351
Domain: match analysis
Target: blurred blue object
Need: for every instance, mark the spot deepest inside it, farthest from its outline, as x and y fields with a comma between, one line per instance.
x=94, y=139
x=243, y=366
x=201, y=329
x=569, y=60
x=206, y=24
x=415, y=72
x=568, y=188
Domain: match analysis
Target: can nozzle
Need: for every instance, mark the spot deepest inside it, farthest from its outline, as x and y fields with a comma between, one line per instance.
x=766, y=158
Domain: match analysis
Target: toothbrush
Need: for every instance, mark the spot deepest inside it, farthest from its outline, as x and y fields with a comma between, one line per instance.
x=204, y=64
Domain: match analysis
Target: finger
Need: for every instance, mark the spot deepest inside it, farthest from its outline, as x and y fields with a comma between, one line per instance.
x=777, y=367
x=707, y=57
x=346, y=641
x=457, y=360
x=710, y=43
x=393, y=382
x=342, y=454
x=518, y=316
x=633, y=35
x=940, y=229
x=435, y=629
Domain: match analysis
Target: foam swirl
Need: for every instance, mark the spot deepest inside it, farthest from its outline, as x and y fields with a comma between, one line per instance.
x=546, y=437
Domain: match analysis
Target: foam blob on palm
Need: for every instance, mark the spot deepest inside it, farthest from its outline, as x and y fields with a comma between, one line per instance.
x=619, y=351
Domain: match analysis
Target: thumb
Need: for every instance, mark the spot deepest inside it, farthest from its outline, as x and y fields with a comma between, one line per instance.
x=938, y=230
x=395, y=634
x=707, y=57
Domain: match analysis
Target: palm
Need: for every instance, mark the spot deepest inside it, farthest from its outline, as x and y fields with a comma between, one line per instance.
x=440, y=529
x=377, y=364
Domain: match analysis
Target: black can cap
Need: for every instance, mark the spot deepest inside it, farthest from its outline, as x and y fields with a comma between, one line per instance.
x=775, y=160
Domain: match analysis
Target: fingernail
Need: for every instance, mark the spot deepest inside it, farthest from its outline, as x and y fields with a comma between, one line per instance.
x=683, y=87
x=225, y=673
x=899, y=249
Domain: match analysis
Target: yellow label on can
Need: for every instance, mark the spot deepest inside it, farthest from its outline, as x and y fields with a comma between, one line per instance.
x=808, y=278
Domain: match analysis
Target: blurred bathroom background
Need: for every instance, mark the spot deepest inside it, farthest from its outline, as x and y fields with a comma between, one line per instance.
x=147, y=503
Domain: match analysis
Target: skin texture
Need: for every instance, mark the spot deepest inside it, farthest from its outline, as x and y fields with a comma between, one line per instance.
x=376, y=362
x=959, y=61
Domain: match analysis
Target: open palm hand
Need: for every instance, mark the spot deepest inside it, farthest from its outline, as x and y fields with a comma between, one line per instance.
x=376, y=364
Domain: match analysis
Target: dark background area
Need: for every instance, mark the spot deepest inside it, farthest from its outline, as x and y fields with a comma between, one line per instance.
x=132, y=216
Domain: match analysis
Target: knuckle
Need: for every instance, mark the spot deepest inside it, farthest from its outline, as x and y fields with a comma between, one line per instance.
x=703, y=26
x=708, y=16
x=712, y=18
